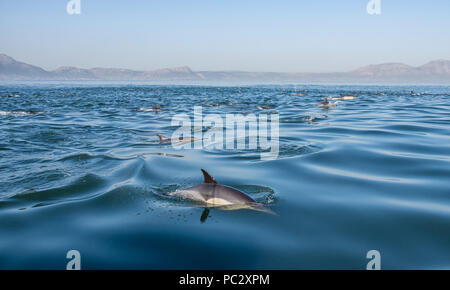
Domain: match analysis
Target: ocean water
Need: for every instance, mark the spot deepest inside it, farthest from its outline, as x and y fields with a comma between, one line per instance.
x=81, y=168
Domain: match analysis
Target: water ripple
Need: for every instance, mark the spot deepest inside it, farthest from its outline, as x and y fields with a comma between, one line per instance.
x=80, y=165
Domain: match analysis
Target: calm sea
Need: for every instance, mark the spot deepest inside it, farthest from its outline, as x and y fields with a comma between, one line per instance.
x=81, y=168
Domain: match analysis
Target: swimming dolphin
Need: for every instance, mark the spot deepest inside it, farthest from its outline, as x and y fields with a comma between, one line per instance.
x=212, y=194
x=212, y=105
x=164, y=139
x=325, y=103
x=155, y=108
x=266, y=107
x=344, y=97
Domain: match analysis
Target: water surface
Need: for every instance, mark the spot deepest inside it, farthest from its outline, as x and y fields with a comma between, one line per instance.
x=81, y=168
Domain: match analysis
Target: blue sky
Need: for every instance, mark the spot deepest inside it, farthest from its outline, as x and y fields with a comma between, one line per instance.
x=310, y=36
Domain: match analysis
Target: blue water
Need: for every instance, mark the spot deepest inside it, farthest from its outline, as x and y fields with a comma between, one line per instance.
x=86, y=172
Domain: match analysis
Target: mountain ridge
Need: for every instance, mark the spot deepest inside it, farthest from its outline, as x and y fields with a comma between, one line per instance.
x=436, y=71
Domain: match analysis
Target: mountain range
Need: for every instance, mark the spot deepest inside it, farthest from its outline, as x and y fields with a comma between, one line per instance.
x=437, y=72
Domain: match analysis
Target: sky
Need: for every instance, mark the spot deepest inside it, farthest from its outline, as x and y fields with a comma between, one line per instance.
x=281, y=35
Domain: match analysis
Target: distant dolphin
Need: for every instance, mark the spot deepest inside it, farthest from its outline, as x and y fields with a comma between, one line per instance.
x=155, y=108
x=344, y=97
x=212, y=105
x=302, y=93
x=212, y=194
x=325, y=103
x=164, y=139
x=266, y=107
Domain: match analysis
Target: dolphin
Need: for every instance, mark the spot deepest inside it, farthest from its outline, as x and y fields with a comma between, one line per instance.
x=344, y=97
x=211, y=194
x=164, y=139
x=155, y=108
x=266, y=107
x=325, y=103
x=412, y=93
x=212, y=105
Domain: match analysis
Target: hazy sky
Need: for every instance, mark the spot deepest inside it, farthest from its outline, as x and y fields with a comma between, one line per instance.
x=312, y=36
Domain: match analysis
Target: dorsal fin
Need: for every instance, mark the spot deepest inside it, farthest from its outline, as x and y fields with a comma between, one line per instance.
x=161, y=137
x=208, y=178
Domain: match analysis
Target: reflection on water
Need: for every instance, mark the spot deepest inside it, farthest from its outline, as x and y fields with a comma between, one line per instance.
x=81, y=167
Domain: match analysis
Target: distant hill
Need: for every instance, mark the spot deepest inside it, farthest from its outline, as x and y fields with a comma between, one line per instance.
x=117, y=74
x=437, y=67
x=15, y=70
x=437, y=71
